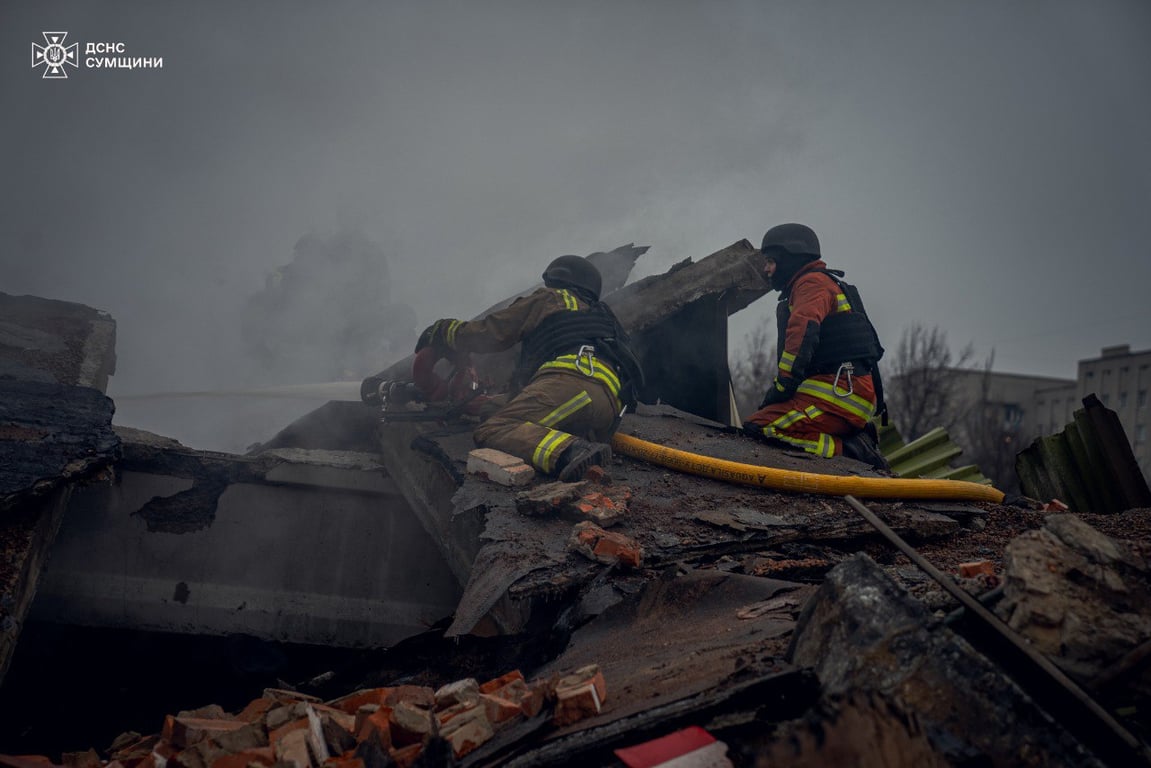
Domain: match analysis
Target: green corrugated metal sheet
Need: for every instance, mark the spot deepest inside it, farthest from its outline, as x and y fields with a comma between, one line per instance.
x=1089, y=465
x=928, y=456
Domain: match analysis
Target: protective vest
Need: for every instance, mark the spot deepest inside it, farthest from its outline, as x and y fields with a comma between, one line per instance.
x=845, y=336
x=563, y=334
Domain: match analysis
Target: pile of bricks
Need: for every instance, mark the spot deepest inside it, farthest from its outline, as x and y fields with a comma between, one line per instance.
x=370, y=727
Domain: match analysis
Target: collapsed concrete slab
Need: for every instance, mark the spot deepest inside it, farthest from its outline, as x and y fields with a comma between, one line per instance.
x=513, y=563
x=861, y=631
x=290, y=545
x=55, y=434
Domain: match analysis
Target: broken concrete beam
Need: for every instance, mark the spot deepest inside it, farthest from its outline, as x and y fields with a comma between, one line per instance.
x=736, y=272
x=1080, y=597
x=500, y=467
x=862, y=631
x=608, y=547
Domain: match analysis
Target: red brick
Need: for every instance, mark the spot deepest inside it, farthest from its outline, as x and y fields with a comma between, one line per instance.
x=353, y=701
x=259, y=756
x=410, y=724
x=183, y=732
x=467, y=731
x=491, y=686
x=466, y=691
x=420, y=695
x=598, y=474
x=608, y=547
x=299, y=724
x=498, y=710
x=256, y=710
x=976, y=568
x=250, y=736
x=293, y=749
x=580, y=695
x=499, y=467
x=445, y=716
x=378, y=721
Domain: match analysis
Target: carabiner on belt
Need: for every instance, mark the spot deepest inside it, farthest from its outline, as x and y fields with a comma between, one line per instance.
x=586, y=355
x=845, y=369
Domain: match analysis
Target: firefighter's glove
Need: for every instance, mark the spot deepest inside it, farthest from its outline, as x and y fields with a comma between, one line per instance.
x=437, y=335
x=776, y=393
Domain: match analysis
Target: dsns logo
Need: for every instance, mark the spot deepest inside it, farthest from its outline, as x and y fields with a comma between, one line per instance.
x=54, y=55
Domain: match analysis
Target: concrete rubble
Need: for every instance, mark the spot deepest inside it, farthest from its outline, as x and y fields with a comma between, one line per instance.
x=632, y=613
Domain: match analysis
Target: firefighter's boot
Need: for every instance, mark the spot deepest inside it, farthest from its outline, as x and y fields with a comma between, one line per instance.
x=864, y=447
x=580, y=456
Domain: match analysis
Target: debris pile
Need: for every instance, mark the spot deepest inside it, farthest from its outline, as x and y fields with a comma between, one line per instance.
x=369, y=727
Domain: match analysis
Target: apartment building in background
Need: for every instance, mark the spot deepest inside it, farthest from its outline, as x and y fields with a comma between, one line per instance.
x=1121, y=379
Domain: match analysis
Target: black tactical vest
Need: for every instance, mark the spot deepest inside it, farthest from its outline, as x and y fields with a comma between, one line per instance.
x=563, y=333
x=843, y=336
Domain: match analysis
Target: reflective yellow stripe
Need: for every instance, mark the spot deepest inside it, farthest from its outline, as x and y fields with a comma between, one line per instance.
x=787, y=419
x=811, y=446
x=544, y=454
x=603, y=372
x=567, y=409
x=853, y=404
x=778, y=386
x=812, y=412
x=841, y=303
x=786, y=360
x=450, y=336
x=569, y=300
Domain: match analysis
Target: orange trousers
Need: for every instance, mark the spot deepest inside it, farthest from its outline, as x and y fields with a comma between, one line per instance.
x=818, y=415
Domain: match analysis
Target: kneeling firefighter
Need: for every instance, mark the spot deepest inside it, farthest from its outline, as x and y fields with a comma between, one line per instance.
x=575, y=377
x=828, y=387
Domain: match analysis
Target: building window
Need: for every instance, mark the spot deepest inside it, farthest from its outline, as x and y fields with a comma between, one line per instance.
x=1141, y=399
x=1122, y=399
x=1090, y=375
x=1140, y=433
x=1105, y=398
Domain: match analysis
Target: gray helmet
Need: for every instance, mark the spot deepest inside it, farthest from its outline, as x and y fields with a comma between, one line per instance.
x=573, y=272
x=793, y=238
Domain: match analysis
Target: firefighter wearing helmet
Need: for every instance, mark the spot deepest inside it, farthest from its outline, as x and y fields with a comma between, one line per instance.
x=827, y=388
x=575, y=377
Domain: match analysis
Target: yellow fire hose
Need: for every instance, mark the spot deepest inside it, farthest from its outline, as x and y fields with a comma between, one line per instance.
x=803, y=482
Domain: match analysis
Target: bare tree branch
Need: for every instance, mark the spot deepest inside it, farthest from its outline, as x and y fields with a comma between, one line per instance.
x=754, y=366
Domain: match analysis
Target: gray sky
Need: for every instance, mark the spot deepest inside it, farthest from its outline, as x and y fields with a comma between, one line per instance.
x=983, y=166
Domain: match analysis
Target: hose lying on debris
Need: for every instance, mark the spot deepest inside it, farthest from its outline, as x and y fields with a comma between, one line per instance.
x=803, y=482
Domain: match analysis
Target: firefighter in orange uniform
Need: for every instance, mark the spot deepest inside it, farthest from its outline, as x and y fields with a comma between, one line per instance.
x=575, y=376
x=827, y=388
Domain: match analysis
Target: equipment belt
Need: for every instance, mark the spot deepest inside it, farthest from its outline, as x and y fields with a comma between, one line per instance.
x=599, y=370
